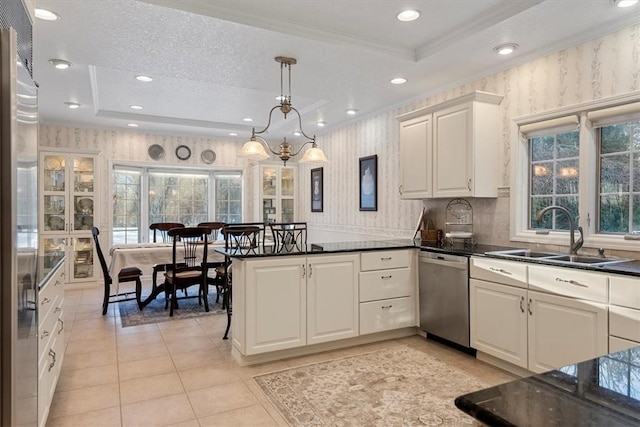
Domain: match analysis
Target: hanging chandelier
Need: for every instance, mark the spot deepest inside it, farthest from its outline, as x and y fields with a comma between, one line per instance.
x=255, y=150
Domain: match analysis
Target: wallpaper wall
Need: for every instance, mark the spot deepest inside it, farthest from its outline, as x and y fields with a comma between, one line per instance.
x=597, y=69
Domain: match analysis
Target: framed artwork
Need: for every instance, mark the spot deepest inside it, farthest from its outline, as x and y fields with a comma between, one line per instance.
x=369, y=183
x=317, y=197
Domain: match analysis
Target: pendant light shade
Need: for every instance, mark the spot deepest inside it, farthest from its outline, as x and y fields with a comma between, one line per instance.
x=314, y=155
x=253, y=150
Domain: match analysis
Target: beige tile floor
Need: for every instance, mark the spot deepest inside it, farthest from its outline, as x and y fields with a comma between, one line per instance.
x=179, y=372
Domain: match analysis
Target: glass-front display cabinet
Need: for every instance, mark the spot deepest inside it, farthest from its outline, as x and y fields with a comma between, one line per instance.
x=276, y=192
x=68, y=185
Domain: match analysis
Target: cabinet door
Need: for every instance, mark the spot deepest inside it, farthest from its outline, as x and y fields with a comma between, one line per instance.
x=275, y=305
x=415, y=158
x=453, y=151
x=499, y=321
x=564, y=331
x=332, y=298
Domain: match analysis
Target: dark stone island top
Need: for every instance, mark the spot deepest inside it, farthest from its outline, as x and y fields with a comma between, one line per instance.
x=600, y=392
x=319, y=248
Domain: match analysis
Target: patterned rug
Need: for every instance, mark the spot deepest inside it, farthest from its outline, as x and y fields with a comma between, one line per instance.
x=130, y=315
x=399, y=386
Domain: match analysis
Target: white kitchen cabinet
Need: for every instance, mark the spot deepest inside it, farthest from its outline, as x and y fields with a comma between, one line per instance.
x=332, y=297
x=416, y=148
x=68, y=212
x=275, y=193
x=50, y=338
x=275, y=304
x=498, y=321
x=451, y=149
x=535, y=330
x=564, y=330
x=624, y=313
x=388, y=290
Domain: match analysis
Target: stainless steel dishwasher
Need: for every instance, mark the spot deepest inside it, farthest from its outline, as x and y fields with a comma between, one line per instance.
x=444, y=296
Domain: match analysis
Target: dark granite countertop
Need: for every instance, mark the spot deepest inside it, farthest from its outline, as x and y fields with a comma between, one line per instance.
x=319, y=248
x=600, y=392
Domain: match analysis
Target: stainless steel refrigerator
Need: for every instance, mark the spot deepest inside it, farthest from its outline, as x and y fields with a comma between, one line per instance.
x=18, y=237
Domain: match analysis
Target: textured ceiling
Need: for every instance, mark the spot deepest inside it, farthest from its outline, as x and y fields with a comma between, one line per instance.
x=213, y=61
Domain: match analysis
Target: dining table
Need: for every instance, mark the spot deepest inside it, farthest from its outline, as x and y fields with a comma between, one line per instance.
x=146, y=255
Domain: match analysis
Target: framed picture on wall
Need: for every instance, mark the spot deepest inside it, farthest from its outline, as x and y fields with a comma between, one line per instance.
x=369, y=183
x=317, y=197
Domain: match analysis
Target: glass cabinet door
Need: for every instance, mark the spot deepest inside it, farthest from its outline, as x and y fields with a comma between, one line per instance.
x=287, y=210
x=83, y=212
x=82, y=256
x=52, y=249
x=54, y=173
x=83, y=175
x=54, y=213
x=269, y=210
x=286, y=180
x=269, y=181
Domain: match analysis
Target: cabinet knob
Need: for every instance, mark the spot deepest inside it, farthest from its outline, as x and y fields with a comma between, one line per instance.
x=44, y=334
x=45, y=301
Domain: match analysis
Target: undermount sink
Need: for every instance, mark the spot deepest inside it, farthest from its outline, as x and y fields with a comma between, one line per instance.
x=552, y=257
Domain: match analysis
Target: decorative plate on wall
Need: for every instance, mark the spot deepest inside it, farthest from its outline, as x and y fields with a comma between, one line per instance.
x=156, y=152
x=208, y=156
x=183, y=152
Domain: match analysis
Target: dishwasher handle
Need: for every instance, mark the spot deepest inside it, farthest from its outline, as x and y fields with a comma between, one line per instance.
x=451, y=261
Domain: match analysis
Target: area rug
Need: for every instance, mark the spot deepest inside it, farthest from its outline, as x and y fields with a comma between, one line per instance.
x=399, y=386
x=130, y=315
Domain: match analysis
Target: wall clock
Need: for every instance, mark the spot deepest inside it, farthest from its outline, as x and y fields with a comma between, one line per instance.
x=183, y=152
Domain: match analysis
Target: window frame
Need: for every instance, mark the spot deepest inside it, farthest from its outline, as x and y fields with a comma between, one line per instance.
x=587, y=182
x=144, y=169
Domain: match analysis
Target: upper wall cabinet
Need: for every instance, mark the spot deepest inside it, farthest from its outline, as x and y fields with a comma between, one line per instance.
x=451, y=149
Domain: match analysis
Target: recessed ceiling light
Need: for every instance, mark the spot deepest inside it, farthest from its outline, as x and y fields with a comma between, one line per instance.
x=506, y=49
x=133, y=125
x=233, y=133
x=136, y=107
x=247, y=119
x=408, y=15
x=297, y=133
x=625, y=3
x=321, y=124
x=398, y=81
x=351, y=111
x=144, y=78
x=72, y=105
x=60, y=64
x=46, y=15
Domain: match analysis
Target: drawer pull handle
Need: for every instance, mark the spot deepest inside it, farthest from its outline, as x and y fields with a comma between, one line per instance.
x=57, y=283
x=529, y=308
x=385, y=258
x=386, y=277
x=58, y=310
x=44, y=334
x=500, y=270
x=61, y=326
x=45, y=301
x=386, y=307
x=53, y=355
x=571, y=282
x=521, y=302
x=304, y=271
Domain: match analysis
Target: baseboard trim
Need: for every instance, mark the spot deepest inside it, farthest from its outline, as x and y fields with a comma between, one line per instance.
x=319, y=348
x=505, y=366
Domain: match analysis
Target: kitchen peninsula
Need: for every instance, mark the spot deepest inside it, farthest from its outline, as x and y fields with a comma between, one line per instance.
x=290, y=301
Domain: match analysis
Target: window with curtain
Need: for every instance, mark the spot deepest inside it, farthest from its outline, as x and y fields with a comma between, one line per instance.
x=553, y=158
x=142, y=196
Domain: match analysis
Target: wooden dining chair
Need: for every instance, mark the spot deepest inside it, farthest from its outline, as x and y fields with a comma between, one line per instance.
x=244, y=237
x=290, y=236
x=218, y=282
x=189, y=265
x=127, y=274
x=161, y=234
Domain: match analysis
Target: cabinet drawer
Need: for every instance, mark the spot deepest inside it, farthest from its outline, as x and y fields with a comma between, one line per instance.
x=380, y=260
x=624, y=322
x=385, y=315
x=625, y=291
x=385, y=284
x=499, y=271
x=569, y=282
